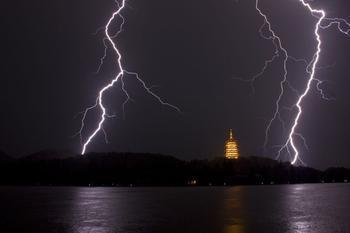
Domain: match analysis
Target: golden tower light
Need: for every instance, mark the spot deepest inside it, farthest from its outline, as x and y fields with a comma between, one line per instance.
x=231, y=148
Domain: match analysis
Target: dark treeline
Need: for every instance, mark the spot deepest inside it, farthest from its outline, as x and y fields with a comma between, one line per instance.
x=124, y=169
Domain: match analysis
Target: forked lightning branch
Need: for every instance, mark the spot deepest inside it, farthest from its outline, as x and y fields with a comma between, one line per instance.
x=323, y=22
x=109, y=41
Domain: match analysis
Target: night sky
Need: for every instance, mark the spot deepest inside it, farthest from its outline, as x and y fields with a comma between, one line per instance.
x=190, y=50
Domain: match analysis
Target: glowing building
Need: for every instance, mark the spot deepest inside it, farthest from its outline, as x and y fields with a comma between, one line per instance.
x=231, y=148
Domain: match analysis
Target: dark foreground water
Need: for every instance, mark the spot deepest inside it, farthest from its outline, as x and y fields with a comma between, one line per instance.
x=285, y=208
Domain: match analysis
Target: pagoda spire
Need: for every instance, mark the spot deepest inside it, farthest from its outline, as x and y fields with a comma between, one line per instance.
x=231, y=147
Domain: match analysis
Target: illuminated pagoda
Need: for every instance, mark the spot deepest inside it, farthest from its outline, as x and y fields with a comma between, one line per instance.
x=231, y=148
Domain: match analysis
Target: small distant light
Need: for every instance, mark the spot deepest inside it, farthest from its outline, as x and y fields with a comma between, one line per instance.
x=192, y=182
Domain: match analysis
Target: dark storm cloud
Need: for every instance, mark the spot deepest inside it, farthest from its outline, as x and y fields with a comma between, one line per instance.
x=190, y=49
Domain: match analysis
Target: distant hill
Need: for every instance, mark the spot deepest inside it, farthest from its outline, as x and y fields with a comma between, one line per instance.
x=4, y=156
x=49, y=155
x=337, y=174
x=123, y=169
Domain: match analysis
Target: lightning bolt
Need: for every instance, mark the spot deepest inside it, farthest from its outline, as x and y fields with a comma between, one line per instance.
x=109, y=41
x=323, y=22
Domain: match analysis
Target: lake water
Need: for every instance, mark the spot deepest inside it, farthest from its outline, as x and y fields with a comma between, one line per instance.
x=277, y=208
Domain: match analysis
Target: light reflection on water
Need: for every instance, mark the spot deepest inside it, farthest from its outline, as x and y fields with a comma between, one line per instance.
x=234, y=229
x=94, y=210
x=233, y=207
x=241, y=209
